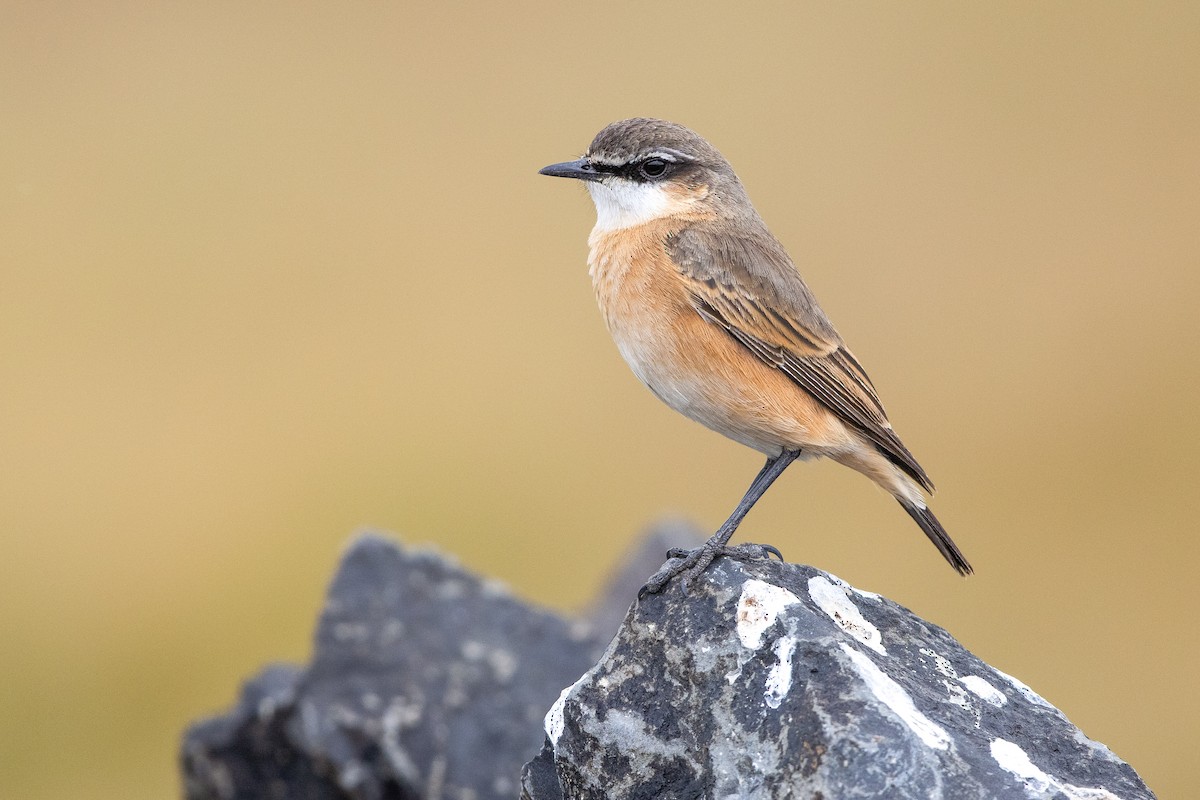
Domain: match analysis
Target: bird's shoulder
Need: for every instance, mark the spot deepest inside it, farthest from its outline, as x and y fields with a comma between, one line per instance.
x=744, y=273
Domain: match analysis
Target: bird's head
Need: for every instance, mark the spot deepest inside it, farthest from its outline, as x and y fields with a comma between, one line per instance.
x=639, y=170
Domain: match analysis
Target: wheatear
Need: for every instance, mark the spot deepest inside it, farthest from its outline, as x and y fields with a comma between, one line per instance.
x=712, y=315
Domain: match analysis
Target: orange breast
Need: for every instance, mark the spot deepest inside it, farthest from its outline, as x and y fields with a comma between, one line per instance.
x=692, y=365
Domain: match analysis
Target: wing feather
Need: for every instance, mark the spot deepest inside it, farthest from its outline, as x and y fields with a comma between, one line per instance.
x=747, y=285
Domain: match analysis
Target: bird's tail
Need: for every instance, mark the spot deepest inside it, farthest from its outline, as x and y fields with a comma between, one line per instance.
x=872, y=463
x=937, y=534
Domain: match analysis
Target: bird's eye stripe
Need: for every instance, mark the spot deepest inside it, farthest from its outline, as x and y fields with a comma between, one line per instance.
x=652, y=167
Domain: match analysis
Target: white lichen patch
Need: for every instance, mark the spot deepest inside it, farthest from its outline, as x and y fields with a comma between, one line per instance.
x=554, y=717
x=832, y=599
x=626, y=732
x=857, y=591
x=779, y=677
x=351, y=632
x=759, y=606
x=503, y=662
x=984, y=690
x=1038, y=783
x=1026, y=692
x=940, y=663
x=400, y=715
x=892, y=695
x=957, y=695
x=1099, y=748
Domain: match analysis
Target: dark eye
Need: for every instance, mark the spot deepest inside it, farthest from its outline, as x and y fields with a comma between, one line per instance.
x=654, y=167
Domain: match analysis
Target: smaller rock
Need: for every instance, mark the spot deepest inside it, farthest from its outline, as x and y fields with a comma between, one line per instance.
x=426, y=681
x=246, y=755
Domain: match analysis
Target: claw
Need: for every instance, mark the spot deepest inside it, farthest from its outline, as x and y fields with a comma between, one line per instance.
x=691, y=564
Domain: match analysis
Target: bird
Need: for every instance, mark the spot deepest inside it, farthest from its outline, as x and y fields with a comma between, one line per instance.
x=713, y=316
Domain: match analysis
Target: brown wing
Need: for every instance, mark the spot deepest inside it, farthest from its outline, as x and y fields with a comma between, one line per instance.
x=747, y=285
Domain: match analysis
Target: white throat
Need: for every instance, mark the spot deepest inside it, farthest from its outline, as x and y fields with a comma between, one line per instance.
x=624, y=204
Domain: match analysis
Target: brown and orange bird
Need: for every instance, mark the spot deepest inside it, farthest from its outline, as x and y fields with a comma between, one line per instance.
x=711, y=314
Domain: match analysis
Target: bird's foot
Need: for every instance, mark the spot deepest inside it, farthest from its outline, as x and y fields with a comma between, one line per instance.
x=692, y=563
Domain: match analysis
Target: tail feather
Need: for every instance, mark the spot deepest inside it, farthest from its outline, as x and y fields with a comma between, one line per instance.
x=937, y=534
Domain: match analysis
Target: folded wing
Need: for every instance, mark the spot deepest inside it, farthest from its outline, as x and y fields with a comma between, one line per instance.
x=747, y=285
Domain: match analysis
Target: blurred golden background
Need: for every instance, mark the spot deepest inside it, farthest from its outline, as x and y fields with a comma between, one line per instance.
x=273, y=273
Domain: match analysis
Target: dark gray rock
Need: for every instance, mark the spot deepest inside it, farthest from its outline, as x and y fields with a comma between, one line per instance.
x=426, y=682
x=780, y=681
x=247, y=755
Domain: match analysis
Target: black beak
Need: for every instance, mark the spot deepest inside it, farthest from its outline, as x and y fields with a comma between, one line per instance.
x=580, y=170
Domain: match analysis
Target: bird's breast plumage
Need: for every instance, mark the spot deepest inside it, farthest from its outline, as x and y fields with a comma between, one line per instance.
x=690, y=364
x=642, y=303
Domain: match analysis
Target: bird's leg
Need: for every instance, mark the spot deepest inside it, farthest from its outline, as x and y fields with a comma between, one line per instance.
x=691, y=563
